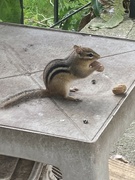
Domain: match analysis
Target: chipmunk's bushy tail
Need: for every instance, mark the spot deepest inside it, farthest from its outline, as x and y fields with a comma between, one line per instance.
x=23, y=97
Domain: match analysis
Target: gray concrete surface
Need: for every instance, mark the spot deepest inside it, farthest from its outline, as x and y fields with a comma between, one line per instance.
x=52, y=130
x=126, y=29
x=126, y=145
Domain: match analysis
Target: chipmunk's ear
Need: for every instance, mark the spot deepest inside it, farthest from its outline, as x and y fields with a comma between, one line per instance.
x=78, y=49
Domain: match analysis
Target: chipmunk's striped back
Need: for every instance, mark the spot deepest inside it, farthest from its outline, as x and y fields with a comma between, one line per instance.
x=53, y=68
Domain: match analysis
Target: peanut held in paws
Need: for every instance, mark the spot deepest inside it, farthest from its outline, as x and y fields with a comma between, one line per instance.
x=120, y=89
x=98, y=66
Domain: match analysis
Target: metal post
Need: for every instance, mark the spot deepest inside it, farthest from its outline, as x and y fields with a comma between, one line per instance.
x=132, y=9
x=78, y=10
x=22, y=14
x=56, y=18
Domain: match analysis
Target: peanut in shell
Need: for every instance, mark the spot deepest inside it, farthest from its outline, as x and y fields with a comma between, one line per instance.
x=120, y=89
x=101, y=68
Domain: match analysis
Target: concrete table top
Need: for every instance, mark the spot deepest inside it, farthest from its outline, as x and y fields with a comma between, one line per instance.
x=49, y=129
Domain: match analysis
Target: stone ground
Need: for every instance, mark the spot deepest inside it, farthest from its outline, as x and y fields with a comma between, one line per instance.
x=126, y=145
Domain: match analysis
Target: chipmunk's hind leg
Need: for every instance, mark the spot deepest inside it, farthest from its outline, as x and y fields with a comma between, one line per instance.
x=60, y=86
x=72, y=98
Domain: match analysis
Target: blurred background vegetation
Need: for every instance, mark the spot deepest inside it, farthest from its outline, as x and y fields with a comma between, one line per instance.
x=41, y=12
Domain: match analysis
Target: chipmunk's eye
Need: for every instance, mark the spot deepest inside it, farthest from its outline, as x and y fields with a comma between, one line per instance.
x=90, y=55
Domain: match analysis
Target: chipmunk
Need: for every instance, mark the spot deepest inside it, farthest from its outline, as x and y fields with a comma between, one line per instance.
x=59, y=74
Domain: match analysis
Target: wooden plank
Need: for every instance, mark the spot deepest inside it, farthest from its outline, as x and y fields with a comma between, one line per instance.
x=121, y=171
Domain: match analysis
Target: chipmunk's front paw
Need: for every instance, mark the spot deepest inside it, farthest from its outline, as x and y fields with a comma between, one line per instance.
x=74, y=89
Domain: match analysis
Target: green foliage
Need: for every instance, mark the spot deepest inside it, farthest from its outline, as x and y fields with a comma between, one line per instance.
x=41, y=13
x=70, y=6
x=97, y=7
x=38, y=13
x=10, y=11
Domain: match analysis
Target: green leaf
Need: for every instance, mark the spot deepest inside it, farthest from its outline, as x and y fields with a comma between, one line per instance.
x=97, y=7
